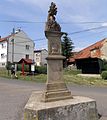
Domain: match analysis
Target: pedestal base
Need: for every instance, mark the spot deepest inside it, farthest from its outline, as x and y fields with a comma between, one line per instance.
x=78, y=108
x=56, y=91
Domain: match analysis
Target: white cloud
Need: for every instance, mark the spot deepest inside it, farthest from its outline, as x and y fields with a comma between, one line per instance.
x=104, y=24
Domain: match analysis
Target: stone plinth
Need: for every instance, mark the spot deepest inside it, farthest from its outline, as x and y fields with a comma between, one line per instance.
x=78, y=108
x=56, y=89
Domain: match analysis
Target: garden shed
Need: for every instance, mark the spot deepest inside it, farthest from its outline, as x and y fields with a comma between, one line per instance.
x=90, y=65
x=24, y=62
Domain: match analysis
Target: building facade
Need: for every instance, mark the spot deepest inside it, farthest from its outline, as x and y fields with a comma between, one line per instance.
x=40, y=57
x=3, y=52
x=15, y=47
x=90, y=59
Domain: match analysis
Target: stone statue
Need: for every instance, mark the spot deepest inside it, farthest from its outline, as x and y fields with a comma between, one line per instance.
x=51, y=24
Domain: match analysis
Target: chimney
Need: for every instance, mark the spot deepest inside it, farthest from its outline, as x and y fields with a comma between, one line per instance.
x=13, y=30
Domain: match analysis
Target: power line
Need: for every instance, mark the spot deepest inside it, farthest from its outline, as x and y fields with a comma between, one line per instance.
x=40, y=39
x=26, y=53
x=38, y=22
x=86, y=30
x=31, y=39
x=89, y=34
x=42, y=44
x=91, y=22
x=20, y=45
x=21, y=21
x=20, y=53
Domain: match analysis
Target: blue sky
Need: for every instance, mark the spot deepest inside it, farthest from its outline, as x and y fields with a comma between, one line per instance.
x=70, y=15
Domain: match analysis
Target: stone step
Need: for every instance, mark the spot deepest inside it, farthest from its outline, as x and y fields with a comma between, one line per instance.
x=58, y=98
x=56, y=86
x=58, y=94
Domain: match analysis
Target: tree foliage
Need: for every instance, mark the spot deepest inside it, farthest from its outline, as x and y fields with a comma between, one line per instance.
x=67, y=47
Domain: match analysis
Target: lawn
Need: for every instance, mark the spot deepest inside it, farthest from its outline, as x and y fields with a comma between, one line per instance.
x=70, y=77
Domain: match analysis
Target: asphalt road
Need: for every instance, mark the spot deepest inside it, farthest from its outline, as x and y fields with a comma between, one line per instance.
x=14, y=94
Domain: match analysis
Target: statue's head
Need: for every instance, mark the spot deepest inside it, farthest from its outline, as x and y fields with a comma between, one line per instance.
x=51, y=24
x=53, y=9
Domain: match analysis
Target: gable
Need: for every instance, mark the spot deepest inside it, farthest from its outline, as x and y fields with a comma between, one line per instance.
x=93, y=51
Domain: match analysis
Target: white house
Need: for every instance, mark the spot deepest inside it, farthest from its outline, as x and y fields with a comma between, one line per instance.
x=15, y=47
x=40, y=57
x=3, y=52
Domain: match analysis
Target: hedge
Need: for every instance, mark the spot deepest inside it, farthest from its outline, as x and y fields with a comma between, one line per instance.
x=104, y=75
x=19, y=67
x=41, y=69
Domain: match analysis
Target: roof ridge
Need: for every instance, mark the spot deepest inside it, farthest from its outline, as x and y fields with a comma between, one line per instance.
x=92, y=45
x=5, y=38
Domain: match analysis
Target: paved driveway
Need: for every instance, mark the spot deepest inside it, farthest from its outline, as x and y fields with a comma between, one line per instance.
x=13, y=96
x=15, y=93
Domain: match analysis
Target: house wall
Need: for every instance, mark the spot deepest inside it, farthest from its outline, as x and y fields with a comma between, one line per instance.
x=104, y=50
x=37, y=58
x=20, y=51
x=44, y=55
x=40, y=57
x=3, y=53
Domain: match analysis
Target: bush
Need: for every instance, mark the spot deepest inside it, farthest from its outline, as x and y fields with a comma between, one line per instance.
x=26, y=68
x=104, y=75
x=8, y=66
x=41, y=69
x=105, y=67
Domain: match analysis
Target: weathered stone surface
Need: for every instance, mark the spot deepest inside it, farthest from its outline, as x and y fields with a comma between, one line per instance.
x=51, y=24
x=56, y=89
x=78, y=108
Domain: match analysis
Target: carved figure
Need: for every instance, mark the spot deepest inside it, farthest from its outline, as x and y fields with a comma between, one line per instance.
x=51, y=24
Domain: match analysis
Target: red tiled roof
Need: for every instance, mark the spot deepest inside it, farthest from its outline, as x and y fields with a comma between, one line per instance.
x=72, y=59
x=5, y=38
x=26, y=61
x=92, y=51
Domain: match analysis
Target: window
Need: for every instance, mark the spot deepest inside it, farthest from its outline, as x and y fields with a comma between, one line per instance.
x=37, y=59
x=27, y=47
x=3, y=46
x=2, y=55
x=3, y=64
x=37, y=54
x=27, y=56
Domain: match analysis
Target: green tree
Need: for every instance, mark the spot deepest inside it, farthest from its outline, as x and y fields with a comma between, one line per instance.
x=67, y=47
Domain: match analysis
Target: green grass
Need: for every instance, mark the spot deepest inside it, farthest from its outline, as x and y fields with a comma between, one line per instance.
x=36, y=78
x=74, y=79
x=70, y=77
x=71, y=72
x=4, y=73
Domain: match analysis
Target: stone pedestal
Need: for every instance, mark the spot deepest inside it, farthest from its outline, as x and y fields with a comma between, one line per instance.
x=56, y=89
x=78, y=108
x=56, y=101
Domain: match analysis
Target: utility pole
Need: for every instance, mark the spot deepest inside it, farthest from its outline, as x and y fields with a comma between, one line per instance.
x=8, y=55
x=13, y=46
x=12, y=50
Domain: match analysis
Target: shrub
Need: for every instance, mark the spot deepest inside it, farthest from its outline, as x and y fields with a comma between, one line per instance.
x=104, y=75
x=41, y=69
x=8, y=66
x=19, y=68
x=105, y=67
